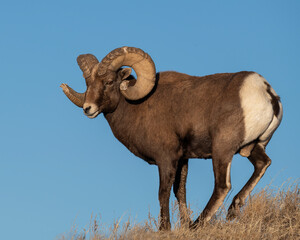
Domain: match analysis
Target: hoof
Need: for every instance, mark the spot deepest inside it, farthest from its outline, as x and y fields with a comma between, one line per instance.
x=196, y=224
x=232, y=213
x=164, y=228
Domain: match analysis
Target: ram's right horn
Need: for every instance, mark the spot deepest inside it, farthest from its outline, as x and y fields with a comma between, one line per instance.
x=142, y=64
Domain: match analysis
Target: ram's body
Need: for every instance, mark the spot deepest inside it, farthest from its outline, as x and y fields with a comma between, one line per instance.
x=184, y=114
x=170, y=117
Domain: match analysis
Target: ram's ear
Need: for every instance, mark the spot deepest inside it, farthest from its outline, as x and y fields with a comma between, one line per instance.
x=125, y=73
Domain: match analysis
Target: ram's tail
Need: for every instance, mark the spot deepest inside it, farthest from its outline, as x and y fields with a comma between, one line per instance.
x=277, y=116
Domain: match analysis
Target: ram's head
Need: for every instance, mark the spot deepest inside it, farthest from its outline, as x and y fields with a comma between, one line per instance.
x=105, y=80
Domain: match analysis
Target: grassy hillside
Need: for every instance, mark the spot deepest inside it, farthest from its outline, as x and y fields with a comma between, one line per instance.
x=268, y=214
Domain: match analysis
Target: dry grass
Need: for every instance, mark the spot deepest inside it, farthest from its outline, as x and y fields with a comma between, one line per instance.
x=268, y=214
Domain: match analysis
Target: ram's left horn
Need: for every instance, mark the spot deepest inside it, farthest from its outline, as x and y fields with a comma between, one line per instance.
x=75, y=97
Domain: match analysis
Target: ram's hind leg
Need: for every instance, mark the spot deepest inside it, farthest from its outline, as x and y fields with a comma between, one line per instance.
x=261, y=162
x=221, y=166
x=179, y=188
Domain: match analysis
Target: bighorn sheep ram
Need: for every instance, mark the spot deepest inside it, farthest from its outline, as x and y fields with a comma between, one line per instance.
x=166, y=118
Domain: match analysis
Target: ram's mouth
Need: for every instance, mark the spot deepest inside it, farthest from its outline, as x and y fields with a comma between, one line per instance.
x=93, y=115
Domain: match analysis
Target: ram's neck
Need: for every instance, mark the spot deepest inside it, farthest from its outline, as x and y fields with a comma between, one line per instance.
x=121, y=121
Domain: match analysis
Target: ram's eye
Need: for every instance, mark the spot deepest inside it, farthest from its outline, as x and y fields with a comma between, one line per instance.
x=108, y=83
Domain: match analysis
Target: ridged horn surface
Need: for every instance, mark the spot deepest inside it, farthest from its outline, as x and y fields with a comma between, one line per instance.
x=86, y=63
x=142, y=64
x=75, y=97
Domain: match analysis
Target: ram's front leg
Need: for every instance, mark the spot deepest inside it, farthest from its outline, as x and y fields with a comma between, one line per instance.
x=179, y=188
x=167, y=171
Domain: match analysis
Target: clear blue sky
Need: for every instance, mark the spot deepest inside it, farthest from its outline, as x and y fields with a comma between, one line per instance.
x=57, y=167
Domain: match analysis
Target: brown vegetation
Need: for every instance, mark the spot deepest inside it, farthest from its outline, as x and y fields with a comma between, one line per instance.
x=268, y=214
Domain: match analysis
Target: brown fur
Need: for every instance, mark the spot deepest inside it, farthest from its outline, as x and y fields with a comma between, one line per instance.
x=186, y=121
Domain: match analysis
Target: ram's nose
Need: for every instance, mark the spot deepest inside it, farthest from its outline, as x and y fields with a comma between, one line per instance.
x=87, y=109
x=91, y=110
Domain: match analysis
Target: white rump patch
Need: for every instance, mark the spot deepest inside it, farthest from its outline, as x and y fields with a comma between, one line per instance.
x=257, y=107
x=273, y=126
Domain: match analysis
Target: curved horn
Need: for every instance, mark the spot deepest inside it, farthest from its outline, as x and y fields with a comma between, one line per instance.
x=142, y=64
x=86, y=63
x=75, y=97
